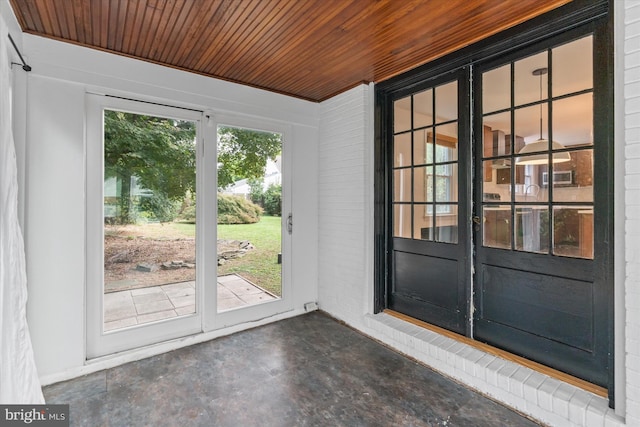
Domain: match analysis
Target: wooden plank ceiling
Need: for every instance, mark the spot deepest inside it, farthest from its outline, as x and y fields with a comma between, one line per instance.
x=311, y=49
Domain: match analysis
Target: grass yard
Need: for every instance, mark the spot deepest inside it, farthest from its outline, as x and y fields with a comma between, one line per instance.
x=259, y=265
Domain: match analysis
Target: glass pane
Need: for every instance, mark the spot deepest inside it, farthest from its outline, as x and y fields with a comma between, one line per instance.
x=149, y=220
x=423, y=222
x=447, y=183
x=447, y=102
x=402, y=185
x=573, y=66
x=447, y=143
x=532, y=228
x=528, y=186
x=249, y=217
x=447, y=223
x=500, y=179
x=573, y=181
x=402, y=150
x=402, y=220
x=496, y=89
x=496, y=136
x=423, y=109
x=422, y=147
x=573, y=121
x=423, y=184
x=491, y=191
x=497, y=226
x=528, y=127
x=402, y=114
x=573, y=231
x=530, y=84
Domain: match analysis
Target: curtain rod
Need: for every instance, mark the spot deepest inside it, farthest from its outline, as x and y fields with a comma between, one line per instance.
x=24, y=64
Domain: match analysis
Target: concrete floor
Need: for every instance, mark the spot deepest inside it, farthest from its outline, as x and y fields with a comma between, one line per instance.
x=305, y=371
x=137, y=306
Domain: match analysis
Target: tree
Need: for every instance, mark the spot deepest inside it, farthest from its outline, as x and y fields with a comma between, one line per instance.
x=273, y=200
x=256, y=193
x=159, y=152
x=243, y=153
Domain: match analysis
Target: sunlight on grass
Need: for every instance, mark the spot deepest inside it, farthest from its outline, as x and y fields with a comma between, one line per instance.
x=259, y=265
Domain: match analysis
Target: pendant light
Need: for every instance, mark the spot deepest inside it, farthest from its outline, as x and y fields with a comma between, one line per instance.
x=541, y=144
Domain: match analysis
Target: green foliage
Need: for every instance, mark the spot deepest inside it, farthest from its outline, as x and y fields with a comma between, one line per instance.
x=255, y=192
x=231, y=210
x=160, y=207
x=243, y=153
x=160, y=152
x=273, y=200
x=237, y=210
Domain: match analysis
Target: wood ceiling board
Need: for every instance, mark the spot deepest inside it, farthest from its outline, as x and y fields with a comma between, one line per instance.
x=311, y=49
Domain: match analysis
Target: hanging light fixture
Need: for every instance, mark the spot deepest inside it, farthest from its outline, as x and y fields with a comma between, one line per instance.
x=541, y=144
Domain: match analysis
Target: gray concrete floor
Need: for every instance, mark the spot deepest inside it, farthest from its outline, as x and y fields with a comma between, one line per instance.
x=144, y=305
x=305, y=371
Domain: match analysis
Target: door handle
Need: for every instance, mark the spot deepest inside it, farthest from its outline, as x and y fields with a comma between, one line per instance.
x=290, y=223
x=476, y=219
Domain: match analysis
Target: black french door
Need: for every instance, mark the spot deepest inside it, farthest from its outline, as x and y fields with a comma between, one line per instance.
x=541, y=193
x=494, y=202
x=430, y=174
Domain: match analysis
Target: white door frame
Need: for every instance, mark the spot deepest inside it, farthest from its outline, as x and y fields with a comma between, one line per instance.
x=206, y=318
x=213, y=319
x=98, y=342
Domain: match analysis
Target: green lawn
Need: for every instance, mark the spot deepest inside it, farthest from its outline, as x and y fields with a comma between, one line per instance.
x=259, y=265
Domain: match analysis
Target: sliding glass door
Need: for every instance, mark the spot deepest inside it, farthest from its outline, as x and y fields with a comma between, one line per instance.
x=188, y=223
x=144, y=256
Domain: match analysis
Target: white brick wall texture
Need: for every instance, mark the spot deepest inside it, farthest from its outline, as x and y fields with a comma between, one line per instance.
x=631, y=143
x=341, y=211
x=343, y=191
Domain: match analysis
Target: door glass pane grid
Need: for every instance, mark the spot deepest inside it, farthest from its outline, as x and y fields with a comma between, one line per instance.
x=542, y=168
x=425, y=165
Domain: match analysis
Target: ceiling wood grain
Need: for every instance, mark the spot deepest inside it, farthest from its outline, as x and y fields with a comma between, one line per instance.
x=311, y=49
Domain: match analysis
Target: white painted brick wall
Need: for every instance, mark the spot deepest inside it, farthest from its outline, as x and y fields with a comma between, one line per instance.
x=631, y=143
x=343, y=259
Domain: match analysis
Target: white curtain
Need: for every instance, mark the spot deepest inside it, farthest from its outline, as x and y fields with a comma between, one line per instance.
x=18, y=376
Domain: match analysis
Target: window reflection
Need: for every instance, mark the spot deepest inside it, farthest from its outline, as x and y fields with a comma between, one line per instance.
x=540, y=174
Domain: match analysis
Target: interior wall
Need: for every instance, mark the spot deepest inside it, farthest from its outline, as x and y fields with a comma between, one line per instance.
x=55, y=178
x=345, y=285
x=627, y=149
x=19, y=88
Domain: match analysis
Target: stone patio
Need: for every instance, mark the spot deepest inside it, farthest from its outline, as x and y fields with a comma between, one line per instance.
x=144, y=305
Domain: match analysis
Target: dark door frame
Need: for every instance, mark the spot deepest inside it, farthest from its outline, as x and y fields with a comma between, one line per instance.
x=579, y=16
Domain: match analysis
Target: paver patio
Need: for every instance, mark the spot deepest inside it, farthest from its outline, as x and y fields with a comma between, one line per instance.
x=144, y=305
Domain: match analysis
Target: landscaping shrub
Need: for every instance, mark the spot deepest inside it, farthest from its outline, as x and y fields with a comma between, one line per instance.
x=231, y=210
x=237, y=210
x=159, y=207
x=273, y=200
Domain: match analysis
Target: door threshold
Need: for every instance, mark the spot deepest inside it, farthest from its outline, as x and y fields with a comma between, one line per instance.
x=538, y=367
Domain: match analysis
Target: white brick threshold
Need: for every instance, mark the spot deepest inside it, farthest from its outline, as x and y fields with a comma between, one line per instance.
x=539, y=396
